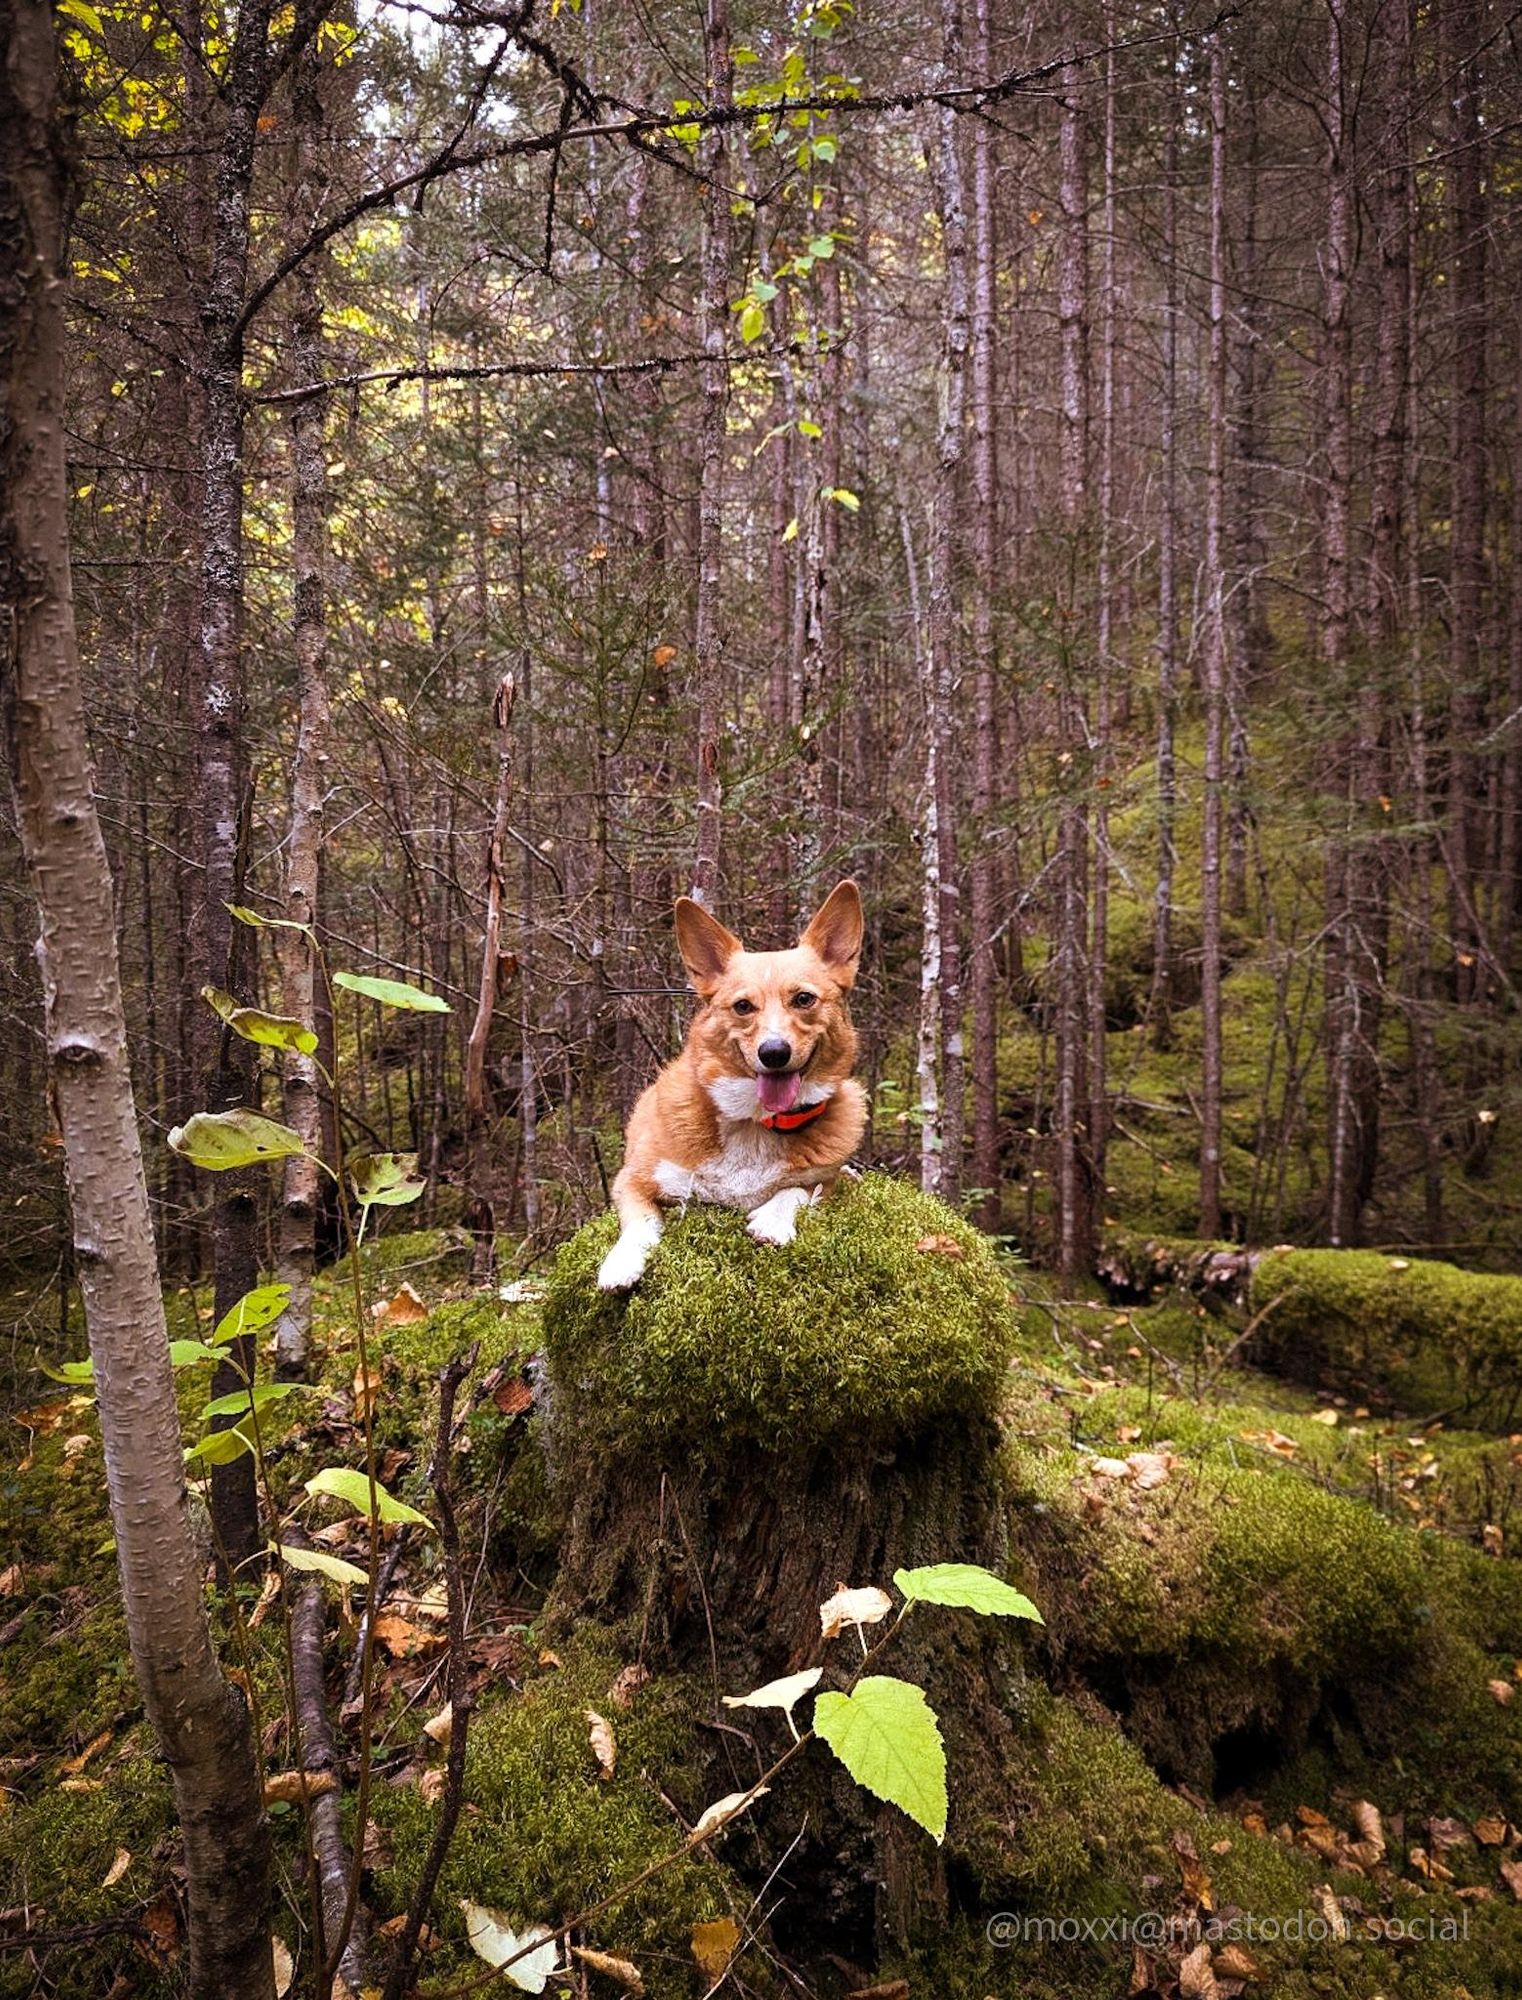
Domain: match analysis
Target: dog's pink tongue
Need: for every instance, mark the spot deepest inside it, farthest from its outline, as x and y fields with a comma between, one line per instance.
x=777, y=1093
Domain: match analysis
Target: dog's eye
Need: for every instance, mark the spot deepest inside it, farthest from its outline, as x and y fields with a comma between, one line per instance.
x=804, y=999
x=745, y=1006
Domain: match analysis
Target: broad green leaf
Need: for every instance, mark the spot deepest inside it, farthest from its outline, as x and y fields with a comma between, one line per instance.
x=223, y=1139
x=752, y=321
x=81, y=10
x=843, y=497
x=493, y=1938
x=69, y=1371
x=967, y=1586
x=236, y=1402
x=270, y=1031
x=822, y=246
x=886, y=1735
x=253, y=1312
x=391, y=992
x=221, y=1448
x=330, y=1566
x=344, y=1483
x=807, y=428
x=187, y=1353
x=824, y=149
x=385, y=1180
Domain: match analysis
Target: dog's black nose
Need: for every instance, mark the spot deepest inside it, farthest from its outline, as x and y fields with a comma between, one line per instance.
x=775, y=1053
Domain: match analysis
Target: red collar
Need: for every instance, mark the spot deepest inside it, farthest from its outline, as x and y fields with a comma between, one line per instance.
x=790, y=1121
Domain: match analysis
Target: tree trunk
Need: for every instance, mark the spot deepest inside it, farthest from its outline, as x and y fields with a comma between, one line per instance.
x=1160, y=1004
x=714, y=314
x=1099, y=883
x=1214, y=668
x=983, y=498
x=301, y=1178
x=478, y=1138
x=201, y=1722
x=944, y=634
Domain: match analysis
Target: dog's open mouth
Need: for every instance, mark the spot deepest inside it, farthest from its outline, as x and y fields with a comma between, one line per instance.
x=778, y=1090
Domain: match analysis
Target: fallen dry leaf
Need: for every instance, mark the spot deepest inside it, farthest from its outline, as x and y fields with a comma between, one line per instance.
x=1110, y=1468
x=118, y=1869
x=940, y=1246
x=726, y=1808
x=713, y=1946
x=1511, y=1875
x=10, y=1579
x=160, y=1926
x=72, y=1766
x=1150, y=1468
x=404, y=1308
x=628, y=1684
x=1328, y=1417
x=267, y=1596
x=291, y=1787
x=1502, y=1691
x=1276, y=1441
x=1492, y=1540
x=401, y=1639
x=285, y=1967
x=619, y=1969
x=512, y=1398
x=1196, y=1881
x=1366, y=1819
x=1232, y=1962
x=367, y=1387
x=1309, y=1816
x=1490, y=1832
x=81, y=1785
x=864, y=1606
x=886, y=1989
x=1332, y=1911
x=548, y=1659
x=604, y=1743
x=1196, y=1978
x=439, y=1727
x=431, y=1786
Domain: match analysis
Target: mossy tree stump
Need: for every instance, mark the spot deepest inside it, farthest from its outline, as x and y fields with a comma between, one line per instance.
x=750, y=1428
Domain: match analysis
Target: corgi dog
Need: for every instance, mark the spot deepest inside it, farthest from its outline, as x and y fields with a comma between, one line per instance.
x=760, y=1111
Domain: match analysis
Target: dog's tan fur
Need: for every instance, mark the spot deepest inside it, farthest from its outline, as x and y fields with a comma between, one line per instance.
x=696, y=1133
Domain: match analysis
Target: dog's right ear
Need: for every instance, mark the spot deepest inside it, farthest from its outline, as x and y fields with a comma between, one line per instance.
x=705, y=945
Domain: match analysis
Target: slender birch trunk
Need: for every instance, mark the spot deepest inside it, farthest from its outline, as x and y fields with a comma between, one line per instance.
x=201, y=1722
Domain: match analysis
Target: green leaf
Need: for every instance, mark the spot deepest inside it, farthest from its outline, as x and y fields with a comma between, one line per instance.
x=493, y=1938
x=73, y=1372
x=968, y=1587
x=807, y=428
x=752, y=321
x=824, y=150
x=385, y=1180
x=333, y=1567
x=763, y=290
x=81, y=10
x=222, y=1139
x=790, y=532
x=236, y=1403
x=843, y=497
x=886, y=1735
x=391, y=992
x=253, y=1312
x=270, y=1031
x=221, y=1448
x=344, y=1483
x=186, y=1353
x=822, y=246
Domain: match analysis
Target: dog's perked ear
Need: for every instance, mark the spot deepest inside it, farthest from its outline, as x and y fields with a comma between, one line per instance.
x=835, y=931
x=705, y=945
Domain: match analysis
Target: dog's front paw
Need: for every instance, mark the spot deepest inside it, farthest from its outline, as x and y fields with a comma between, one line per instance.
x=625, y=1263
x=776, y=1221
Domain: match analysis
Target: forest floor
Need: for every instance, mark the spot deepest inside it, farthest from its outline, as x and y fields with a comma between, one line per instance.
x=1276, y=1685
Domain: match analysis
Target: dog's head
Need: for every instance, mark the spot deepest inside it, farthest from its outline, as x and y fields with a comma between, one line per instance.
x=775, y=1018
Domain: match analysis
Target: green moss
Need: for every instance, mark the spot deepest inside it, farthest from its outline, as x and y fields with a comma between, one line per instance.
x=1430, y=1334
x=544, y=1835
x=850, y=1328
x=55, y=1852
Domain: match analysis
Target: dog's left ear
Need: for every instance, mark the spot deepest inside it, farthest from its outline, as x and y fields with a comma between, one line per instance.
x=835, y=931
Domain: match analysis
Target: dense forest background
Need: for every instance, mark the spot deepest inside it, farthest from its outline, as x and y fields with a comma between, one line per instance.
x=1061, y=468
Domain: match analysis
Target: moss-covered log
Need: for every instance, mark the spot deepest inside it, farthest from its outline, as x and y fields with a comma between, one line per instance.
x=751, y=1428
x=1424, y=1336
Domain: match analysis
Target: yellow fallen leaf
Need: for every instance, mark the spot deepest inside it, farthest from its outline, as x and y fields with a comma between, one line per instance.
x=713, y=1946
x=403, y=1308
x=285, y=1967
x=1150, y=1468
x=431, y=1786
x=291, y=1787
x=440, y=1727
x=1490, y=1832
x=1110, y=1468
x=10, y=1579
x=1328, y=1417
x=118, y=1868
x=1367, y=1820
x=72, y=1766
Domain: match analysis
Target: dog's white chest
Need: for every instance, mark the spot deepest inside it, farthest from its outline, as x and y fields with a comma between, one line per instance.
x=748, y=1169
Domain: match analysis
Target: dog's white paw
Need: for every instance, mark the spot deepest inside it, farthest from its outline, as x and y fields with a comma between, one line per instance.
x=776, y=1221
x=625, y=1263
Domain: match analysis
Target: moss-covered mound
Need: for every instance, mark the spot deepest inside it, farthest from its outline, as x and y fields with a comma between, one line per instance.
x=1434, y=1336
x=888, y=1311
